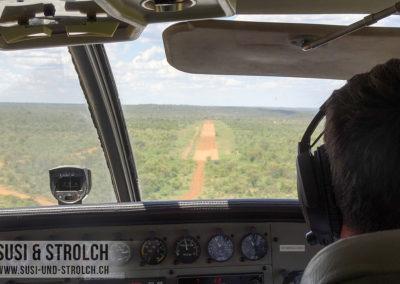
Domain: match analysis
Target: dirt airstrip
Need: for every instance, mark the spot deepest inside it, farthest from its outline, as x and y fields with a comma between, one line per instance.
x=206, y=148
x=188, y=149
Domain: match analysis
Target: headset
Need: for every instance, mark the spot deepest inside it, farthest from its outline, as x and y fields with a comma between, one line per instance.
x=315, y=190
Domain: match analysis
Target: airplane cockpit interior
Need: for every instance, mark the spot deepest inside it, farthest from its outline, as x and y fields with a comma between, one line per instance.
x=167, y=133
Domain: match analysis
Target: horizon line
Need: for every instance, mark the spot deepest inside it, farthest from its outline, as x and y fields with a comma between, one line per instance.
x=182, y=105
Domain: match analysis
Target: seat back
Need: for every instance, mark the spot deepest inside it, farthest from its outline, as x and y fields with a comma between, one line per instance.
x=366, y=258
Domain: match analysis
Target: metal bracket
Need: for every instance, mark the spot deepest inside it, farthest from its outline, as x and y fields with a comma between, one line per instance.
x=367, y=21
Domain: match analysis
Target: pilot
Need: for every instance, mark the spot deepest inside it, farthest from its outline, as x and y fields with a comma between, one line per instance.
x=350, y=187
x=362, y=141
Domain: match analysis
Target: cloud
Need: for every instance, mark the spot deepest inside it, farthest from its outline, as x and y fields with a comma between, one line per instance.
x=45, y=75
x=150, y=53
x=153, y=33
x=143, y=74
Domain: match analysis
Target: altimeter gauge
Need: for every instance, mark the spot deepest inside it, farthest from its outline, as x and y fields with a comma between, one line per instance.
x=220, y=248
x=254, y=246
x=153, y=251
x=187, y=249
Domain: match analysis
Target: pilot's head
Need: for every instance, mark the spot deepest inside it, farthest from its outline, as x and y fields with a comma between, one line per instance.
x=362, y=139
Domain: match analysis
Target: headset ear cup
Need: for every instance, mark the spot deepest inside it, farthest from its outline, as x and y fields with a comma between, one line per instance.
x=312, y=199
x=314, y=185
x=325, y=184
x=306, y=187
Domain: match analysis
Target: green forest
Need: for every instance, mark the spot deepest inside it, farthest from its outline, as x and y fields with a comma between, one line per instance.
x=256, y=146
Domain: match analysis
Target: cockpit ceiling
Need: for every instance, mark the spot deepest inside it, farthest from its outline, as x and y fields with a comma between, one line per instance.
x=133, y=9
x=44, y=23
x=311, y=6
x=274, y=49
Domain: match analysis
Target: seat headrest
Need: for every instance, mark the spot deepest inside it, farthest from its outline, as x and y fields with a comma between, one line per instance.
x=366, y=258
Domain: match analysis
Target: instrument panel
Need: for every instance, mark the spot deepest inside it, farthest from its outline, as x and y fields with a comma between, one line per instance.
x=198, y=253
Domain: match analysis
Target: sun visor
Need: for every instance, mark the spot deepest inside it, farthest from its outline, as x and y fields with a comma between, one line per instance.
x=274, y=49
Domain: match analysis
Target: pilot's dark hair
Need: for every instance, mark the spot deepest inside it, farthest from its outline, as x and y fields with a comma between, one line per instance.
x=362, y=139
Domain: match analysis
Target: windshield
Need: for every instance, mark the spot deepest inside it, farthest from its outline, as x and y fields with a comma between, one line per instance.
x=45, y=123
x=193, y=136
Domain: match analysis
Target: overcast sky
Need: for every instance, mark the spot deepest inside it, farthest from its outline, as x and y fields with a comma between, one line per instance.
x=144, y=76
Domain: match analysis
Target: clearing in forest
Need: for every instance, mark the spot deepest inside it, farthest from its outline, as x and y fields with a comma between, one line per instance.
x=206, y=148
x=43, y=201
x=88, y=151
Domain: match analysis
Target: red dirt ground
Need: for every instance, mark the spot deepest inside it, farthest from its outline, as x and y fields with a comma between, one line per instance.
x=187, y=150
x=206, y=148
x=43, y=201
x=88, y=151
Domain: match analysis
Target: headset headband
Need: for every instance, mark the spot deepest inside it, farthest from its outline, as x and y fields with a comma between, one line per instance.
x=305, y=143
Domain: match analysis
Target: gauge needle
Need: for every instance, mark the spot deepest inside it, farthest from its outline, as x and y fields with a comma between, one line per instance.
x=186, y=245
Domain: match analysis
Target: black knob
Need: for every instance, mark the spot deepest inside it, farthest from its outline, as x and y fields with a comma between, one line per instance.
x=311, y=238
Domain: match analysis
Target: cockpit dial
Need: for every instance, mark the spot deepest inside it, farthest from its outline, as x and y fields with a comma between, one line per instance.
x=153, y=251
x=120, y=253
x=187, y=249
x=220, y=248
x=254, y=246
